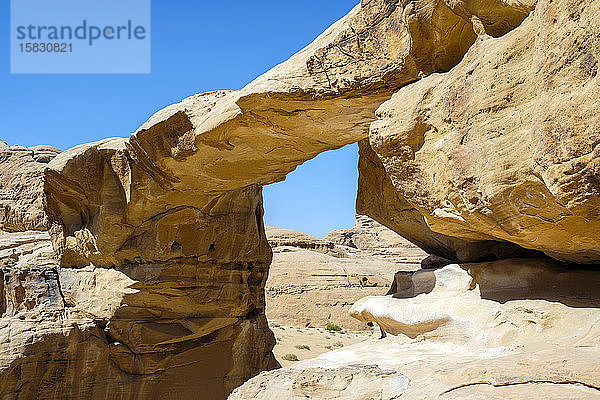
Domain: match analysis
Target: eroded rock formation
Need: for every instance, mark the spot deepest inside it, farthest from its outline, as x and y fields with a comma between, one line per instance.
x=452, y=343
x=505, y=146
x=154, y=284
x=22, y=187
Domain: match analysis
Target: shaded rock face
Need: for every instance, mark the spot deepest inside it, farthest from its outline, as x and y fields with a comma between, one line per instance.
x=505, y=146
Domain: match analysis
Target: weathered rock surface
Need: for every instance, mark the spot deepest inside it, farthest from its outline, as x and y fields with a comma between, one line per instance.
x=21, y=186
x=355, y=382
x=378, y=198
x=504, y=147
x=177, y=208
x=144, y=332
x=453, y=343
x=155, y=287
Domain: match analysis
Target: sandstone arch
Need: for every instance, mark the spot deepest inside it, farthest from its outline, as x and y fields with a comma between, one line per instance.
x=171, y=217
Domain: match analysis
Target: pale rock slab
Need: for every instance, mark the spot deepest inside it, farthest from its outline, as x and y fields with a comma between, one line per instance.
x=452, y=343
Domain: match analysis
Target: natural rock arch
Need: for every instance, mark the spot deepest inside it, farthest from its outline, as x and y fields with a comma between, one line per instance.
x=177, y=207
x=170, y=219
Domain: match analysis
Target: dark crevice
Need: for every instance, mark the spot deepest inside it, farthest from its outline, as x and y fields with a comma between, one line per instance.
x=526, y=382
x=2, y=300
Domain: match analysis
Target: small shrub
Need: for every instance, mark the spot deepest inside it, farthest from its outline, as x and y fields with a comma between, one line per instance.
x=290, y=357
x=302, y=347
x=333, y=328
x=338, y=344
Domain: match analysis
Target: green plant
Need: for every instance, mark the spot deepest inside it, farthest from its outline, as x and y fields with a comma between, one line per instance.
x=302, y=347
x=290, y=357
x=333, y=328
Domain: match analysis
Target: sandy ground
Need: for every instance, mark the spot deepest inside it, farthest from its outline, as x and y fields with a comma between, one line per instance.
x=307, y=287
x=307, y=290
x=306, y=343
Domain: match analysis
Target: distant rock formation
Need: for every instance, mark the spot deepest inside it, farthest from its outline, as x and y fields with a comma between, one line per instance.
x=315, y=281
x=280, y=237
x=367, y=238
x=377, y=241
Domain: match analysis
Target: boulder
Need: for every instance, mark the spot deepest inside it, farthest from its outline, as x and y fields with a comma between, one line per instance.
x=504, y=147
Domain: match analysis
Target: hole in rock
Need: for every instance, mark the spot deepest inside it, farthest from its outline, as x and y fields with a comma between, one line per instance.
x=318, y=197
x=324, y=258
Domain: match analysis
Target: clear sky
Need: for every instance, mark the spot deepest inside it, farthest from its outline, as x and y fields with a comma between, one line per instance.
x=197, y=46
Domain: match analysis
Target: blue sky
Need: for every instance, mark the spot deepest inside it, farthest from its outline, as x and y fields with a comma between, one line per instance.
x=197, y=46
